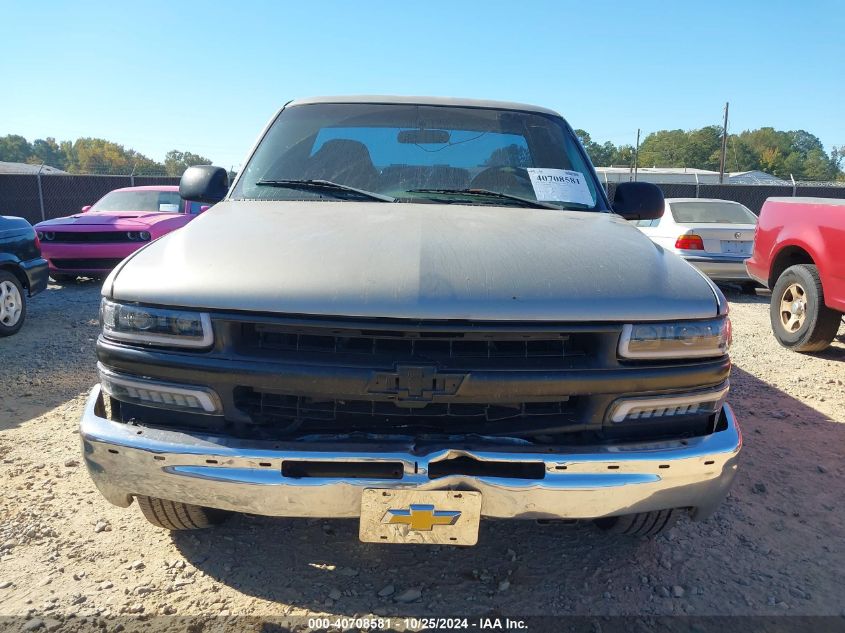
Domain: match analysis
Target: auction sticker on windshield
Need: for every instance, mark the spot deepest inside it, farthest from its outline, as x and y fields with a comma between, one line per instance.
x=560, y=185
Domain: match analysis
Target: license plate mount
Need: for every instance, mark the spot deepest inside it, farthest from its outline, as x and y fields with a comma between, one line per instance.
x=738, y=247
x=429, y=517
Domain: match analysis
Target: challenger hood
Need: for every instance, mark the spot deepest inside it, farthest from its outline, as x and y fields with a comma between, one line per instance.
x=126, y=220
x=422, y=261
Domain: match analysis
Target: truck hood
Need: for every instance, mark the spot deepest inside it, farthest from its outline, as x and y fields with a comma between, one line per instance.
x=421, y=261
x=124, y=220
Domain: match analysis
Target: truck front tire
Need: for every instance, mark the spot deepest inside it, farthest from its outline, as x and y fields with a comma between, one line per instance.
x=641, y=524
x=800, y=319
x=171, y=515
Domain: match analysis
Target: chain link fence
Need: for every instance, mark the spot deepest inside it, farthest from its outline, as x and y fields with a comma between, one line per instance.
x=38, y=197
x=752, y=196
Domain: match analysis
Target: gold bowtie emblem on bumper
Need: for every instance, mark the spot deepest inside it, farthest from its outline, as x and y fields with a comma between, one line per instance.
x=421, y=517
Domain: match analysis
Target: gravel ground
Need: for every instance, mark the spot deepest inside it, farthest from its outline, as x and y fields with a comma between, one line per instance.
x=775, y=547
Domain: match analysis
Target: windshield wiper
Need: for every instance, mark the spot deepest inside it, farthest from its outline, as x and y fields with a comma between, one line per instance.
x=526, y=202
x=324, y=185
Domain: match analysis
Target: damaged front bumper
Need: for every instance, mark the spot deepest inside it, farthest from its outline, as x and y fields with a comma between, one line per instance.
x=320, y=479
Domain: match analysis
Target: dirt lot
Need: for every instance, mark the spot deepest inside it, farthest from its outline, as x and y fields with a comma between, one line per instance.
x=775, y=547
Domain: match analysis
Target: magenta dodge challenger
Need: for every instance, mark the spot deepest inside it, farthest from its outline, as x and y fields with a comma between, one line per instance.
x=91, y=243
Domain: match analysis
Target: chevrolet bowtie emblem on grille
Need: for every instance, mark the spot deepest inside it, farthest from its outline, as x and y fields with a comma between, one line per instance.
x=422, y=518
x=415, y=385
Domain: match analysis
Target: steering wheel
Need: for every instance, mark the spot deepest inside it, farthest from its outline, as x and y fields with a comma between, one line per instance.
x=505, y=179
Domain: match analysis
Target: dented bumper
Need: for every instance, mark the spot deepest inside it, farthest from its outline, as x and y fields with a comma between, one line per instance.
x=320, y=479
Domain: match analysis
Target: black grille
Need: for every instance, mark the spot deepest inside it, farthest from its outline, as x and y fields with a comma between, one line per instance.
x=427, y=347
x=386, y=346
x=87, y=264
x=97, y=237
x=309, y=415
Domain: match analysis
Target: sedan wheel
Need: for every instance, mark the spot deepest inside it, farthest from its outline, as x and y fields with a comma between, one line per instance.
x=12, y=304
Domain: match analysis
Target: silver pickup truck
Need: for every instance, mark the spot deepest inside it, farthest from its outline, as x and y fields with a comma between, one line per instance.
x=415, y=312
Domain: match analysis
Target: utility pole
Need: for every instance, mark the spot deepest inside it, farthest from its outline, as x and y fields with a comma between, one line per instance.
x=724, y=146
x=636, y=155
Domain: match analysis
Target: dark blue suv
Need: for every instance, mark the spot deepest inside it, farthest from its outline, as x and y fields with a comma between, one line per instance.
x=22, y=271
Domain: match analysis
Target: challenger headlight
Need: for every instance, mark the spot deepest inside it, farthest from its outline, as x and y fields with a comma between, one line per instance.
x=155, y=326
x=682, y=339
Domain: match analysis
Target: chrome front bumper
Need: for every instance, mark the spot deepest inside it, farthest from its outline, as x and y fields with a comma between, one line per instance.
x=246, y=476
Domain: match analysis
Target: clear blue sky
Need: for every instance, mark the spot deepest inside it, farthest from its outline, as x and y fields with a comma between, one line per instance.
x=205, y=76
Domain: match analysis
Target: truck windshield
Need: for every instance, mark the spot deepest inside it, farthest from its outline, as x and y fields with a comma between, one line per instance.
x=421, y=153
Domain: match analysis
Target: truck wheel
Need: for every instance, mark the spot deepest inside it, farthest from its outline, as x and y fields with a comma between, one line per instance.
x=12, y=304
x=642, y=524
x=800, y=319
x=171, y=515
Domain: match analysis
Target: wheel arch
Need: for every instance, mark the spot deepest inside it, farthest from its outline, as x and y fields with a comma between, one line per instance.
x=788, y=256
x=16, y=270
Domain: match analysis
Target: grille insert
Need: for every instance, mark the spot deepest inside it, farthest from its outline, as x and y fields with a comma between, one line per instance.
x=91, y=237
x=308, y=415
x=415, y=344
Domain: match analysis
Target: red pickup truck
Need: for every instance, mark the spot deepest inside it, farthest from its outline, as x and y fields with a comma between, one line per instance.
x=799, y=252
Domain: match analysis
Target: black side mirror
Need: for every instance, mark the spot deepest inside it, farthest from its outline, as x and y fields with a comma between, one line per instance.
x=204, y=183
x=638, y=201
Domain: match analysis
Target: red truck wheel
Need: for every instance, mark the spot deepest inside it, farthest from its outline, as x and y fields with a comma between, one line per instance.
x=800, y=319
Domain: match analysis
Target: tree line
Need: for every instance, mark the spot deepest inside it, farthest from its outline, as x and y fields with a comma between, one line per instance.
x=798, y=154
x=94, y=156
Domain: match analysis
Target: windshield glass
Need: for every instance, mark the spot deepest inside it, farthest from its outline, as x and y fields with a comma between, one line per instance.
x=398, y=149
x=712, y=212
x=150, y=201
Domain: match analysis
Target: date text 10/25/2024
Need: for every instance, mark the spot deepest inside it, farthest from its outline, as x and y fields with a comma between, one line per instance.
x=419, y=623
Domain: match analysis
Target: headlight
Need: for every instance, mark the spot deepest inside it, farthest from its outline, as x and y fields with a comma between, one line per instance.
x=144, y=236
x=683, y=339
x=155, y=326
x=694, y=403
x=154, y=393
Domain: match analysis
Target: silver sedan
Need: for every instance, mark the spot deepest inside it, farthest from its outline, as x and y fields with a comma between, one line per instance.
x=715, y=236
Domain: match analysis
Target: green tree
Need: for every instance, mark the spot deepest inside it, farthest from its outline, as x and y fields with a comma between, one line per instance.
x=99, y=156
x=818, y=166
x=665, y=148
x=601, y=155
x=837, y=155
x=622, y=156
x=705, y=147
x=803, y=142
x=176, y=162
x=679, y=148
x=771, y=160
x=49, y=152
x=740, y=156
x=14, y=148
